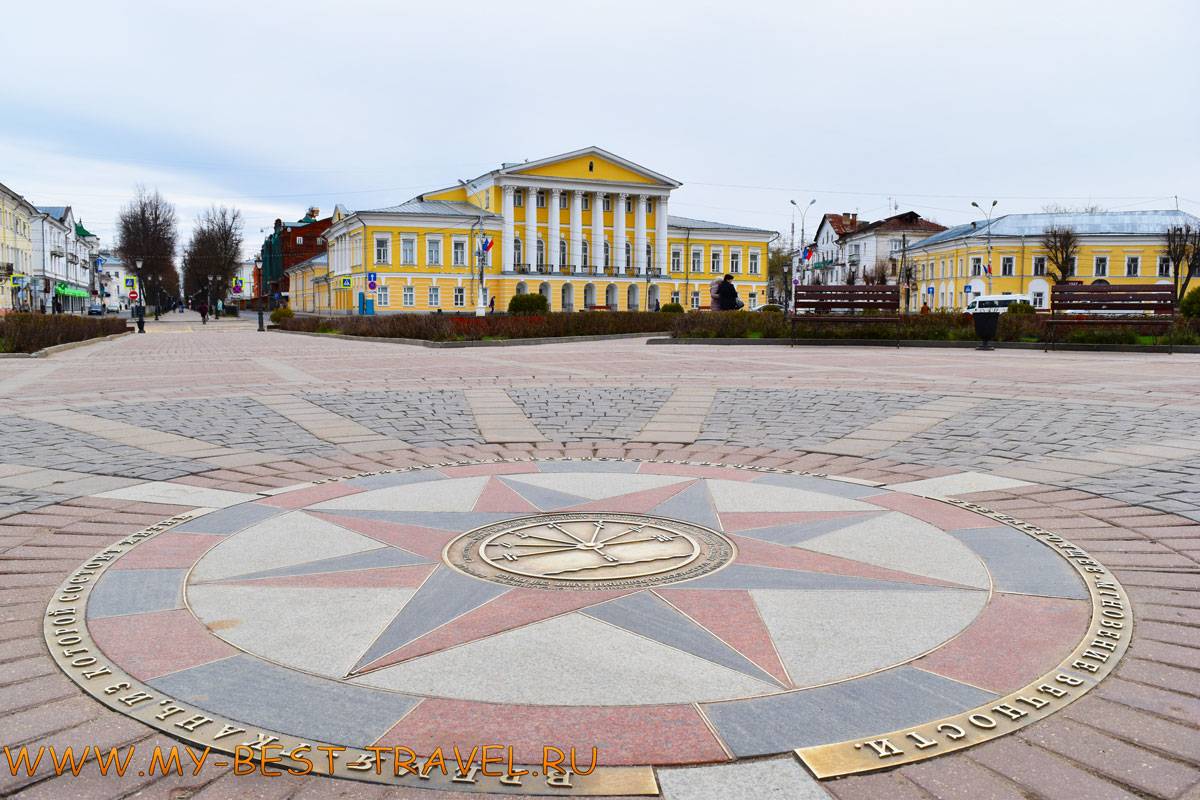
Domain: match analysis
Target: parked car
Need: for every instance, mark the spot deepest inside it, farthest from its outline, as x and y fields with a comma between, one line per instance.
x=996, y=303
x=95, y=310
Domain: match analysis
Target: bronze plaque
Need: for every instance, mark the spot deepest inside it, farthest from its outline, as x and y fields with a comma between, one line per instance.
x=582, y=551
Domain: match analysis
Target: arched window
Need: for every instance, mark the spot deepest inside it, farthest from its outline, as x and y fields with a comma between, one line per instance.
x=562, y=252
x=584, y=254
x=628, y=256
x=607, y=259
x=541, y=252
x=516, y=251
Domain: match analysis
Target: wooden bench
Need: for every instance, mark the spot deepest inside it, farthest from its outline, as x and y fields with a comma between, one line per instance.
x=1138, y=305
x=817, y=304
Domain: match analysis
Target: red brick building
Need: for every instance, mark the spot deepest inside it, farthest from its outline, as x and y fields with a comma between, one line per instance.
x=287, y=245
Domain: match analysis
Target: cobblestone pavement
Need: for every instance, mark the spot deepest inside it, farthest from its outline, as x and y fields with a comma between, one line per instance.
x=791, y=417
x=418, y=418
x=574, y=415
x=1102, y=448
x=238, y=422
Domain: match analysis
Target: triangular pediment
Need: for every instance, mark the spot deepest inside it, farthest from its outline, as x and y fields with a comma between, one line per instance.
x=591, y=164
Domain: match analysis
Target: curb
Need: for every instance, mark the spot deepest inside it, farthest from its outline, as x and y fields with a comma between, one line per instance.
x=972, y=345
x=46, y=352
x=495, y=343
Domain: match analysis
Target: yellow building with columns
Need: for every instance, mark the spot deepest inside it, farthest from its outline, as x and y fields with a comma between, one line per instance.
x=587, y=229
x=1115, y=247
x=16, y=249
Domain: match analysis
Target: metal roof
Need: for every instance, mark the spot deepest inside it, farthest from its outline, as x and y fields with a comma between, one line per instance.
x=1098, y=223
x=706, y=224
x=319, y=260
x=453, y=208
x=58, y=212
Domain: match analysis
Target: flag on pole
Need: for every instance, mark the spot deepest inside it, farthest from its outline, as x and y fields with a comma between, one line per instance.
x=987, y=268
x=487, y=244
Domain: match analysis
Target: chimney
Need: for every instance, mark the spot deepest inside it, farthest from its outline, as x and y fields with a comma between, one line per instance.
x=314, y=212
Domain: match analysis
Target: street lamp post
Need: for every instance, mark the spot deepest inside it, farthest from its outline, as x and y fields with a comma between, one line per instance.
x=794, y=265
x=141, y=306
x=988, y=215
x=157, y=283
x=258, y=270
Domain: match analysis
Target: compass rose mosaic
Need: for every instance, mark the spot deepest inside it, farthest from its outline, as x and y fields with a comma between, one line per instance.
x=662, y=613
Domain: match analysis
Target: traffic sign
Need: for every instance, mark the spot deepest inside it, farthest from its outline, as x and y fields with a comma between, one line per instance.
x=133, y=295
x=237, y=288
x=346, y=283
x=372, y=285
x=372, y=277
x=129, y=283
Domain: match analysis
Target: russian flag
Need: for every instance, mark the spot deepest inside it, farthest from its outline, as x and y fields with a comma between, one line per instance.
x=487, y=244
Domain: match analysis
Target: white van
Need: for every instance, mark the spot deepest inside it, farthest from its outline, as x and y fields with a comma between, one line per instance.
x=996, y=303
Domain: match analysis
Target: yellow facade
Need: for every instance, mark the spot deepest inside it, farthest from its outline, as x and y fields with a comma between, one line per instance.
x=1019, y=264
x=16, y=246
x=422, y=253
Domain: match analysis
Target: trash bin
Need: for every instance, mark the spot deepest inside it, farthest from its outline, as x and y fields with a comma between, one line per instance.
x=986, y=325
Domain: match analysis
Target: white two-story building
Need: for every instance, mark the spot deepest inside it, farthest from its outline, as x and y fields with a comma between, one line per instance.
x=61, y=273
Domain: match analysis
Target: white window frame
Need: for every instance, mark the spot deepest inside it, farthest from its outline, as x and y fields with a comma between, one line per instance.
x=676, y=260
x=434, y=296
x=716, y=260
x=408, y=250
x=698, y=260
x=1008, y=266
x=1136, y=263
x=460, y=297
x=1164, y=266
x=541, y=198
x=1039, y=265
x=695, y=299
x=976, y=266
x=607, y=203
x=408, y=296
x=564, y=201
x=584, y=253
x=735, y=261
x=299, y=240
x=1100, y=263
x=754, y=262
x=433, y=247
x=457, y=243
x=587, y=203
x=518, y=198
x=649, y=205
x=382, y=297
x=628, y=205
x=387, y=249
x=675, y=297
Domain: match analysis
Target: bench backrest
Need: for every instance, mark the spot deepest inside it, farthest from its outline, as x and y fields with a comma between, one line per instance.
x=878, y=297
x=1134, y=299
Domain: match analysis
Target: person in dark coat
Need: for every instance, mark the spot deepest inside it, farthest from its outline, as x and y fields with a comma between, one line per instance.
x=727, y=295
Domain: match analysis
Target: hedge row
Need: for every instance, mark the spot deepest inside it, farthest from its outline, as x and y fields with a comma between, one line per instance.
x=445, y=328
x=927, y=327
x=28, y=333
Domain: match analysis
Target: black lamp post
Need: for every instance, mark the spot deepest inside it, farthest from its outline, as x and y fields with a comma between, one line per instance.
x=141, y=306
x=258, y=269
x=157, y=295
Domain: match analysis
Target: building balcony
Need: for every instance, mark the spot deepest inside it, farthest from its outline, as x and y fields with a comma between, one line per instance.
x=566, y=269
x=520, y=269
x=57, y=251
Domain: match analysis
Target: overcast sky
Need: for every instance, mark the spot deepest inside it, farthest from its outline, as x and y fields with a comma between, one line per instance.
x=274, y=106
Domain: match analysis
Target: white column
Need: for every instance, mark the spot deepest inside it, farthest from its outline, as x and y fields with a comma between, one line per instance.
x=506, y=236
x=618, y=248
x=529, y=246
x=639, y=235
x=661, y=251
x=552, y=217
x=577, y=228
x=596, y=254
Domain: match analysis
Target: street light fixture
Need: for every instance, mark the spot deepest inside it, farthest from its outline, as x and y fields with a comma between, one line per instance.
x=803, y=236
x=141, y=306
x=988, y=215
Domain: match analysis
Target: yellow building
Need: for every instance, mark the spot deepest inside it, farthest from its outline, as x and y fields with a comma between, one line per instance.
x=16, y=249
x=1116, y=247
x=587, y=229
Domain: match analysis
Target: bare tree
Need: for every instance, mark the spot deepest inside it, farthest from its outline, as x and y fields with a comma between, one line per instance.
x=1090, y=208
x=876, y=275
x=146, y=231
x=851, y=276
x=1183, y=251
x=211, y=258
x=1061, y=244
x=779, y=260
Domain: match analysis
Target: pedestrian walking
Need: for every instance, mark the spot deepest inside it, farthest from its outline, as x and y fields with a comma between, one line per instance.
x=727, y=295
x=714, y=295
x=492, y=305
x=203, y=309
